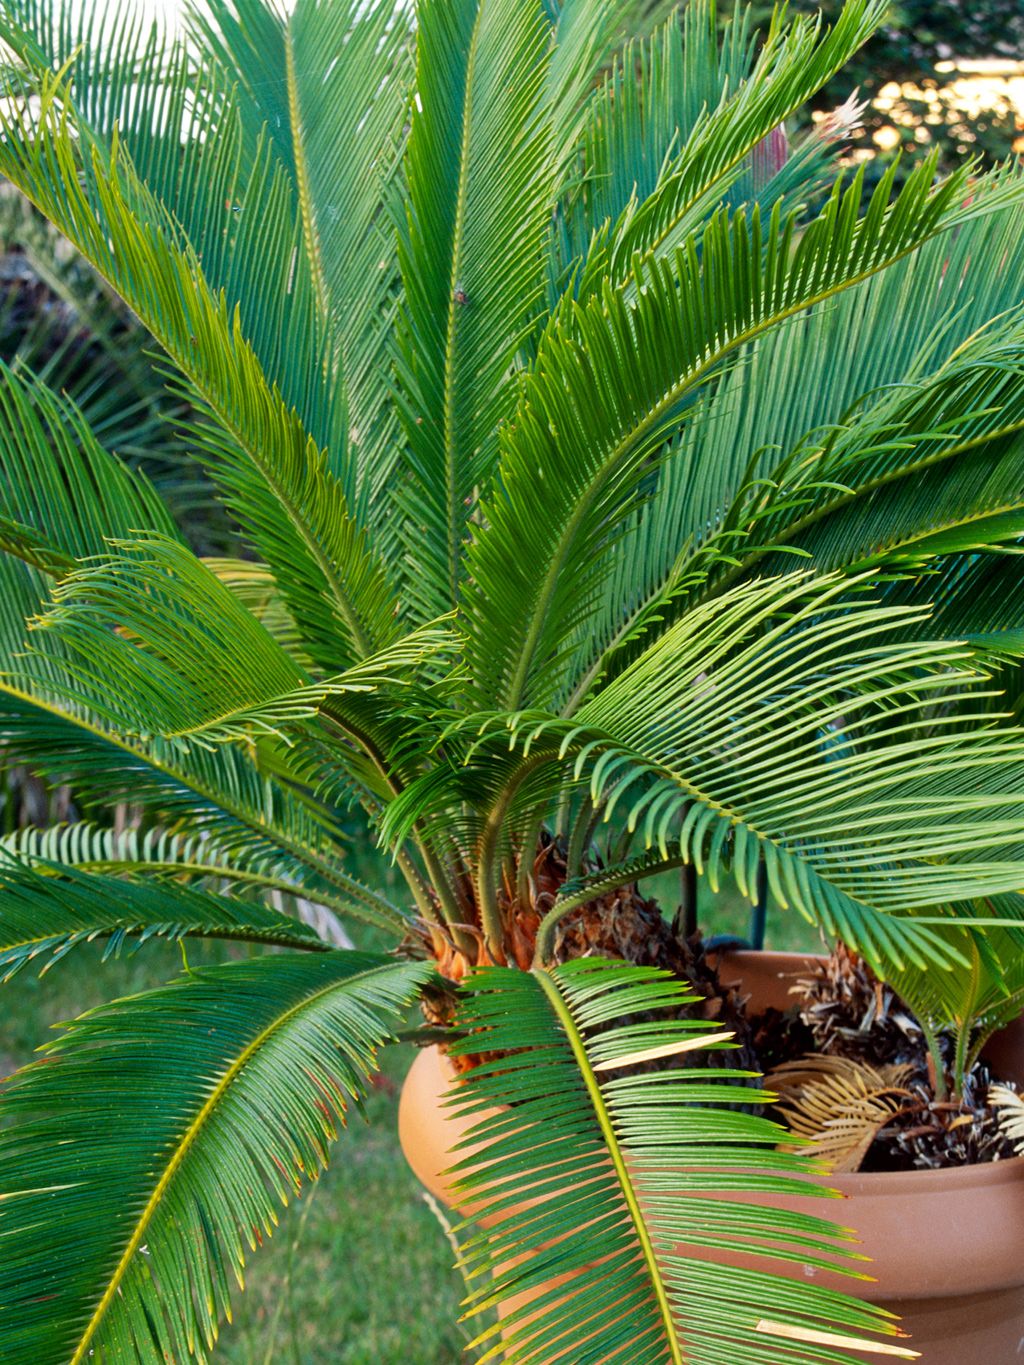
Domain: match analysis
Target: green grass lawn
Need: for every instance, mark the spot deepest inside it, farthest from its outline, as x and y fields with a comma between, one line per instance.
x=360, y=1271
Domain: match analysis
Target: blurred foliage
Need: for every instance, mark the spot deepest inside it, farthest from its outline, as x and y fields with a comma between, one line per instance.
x=919, y=38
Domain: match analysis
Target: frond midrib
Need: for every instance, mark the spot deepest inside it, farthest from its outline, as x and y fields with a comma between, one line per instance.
x=311, y=232
x=449, y=433
x=235, y=932
x=618, y=1159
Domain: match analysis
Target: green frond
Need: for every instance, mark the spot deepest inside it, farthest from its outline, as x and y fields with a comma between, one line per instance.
x=987, y=993
x=919, y=471
x=788, y=721
x=472, y=228
x=47, y=910
x=686, y=128
x=160, y=855
x=275, y=477
x=177, y=113
x=633, y=1187
x=612, y=381
x=237, y=798
x=59, y=488
x=930, y=469
x=329, y=85
x=831, y=380
x=117, y=1141
x=155, y=643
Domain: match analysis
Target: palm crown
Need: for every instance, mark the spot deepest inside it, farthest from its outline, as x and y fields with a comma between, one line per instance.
x=608, y=478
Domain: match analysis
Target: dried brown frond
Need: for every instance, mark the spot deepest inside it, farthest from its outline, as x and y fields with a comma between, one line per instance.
x=851, y=1013
x=1009, y=1111
x=836, y=1106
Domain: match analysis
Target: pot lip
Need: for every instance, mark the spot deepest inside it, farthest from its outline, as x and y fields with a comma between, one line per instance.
x=981, y=1175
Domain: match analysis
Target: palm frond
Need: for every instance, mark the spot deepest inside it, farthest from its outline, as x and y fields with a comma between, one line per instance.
x=611, y=383
x=688, y=126
x=58, y=486
x=631, y=1187
x=471, y=240
x=237, y=798
x=329, y=85
x=921, y=471
x=155, y=643
x=177, y=112
x=789, y=722
x=261, y=1058
x=46, y=910
x=276, y=478
x=826, y=380
x=986, y=993
x=159, y=855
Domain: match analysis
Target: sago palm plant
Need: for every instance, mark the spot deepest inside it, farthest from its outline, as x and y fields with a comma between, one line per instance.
x=616, y=492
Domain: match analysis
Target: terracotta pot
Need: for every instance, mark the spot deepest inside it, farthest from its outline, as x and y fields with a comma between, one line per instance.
x=947, y=1247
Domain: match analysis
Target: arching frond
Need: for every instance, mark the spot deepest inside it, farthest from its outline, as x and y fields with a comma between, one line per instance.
x=162, y=855
x=922, y=470
x=786, y=722
x=329, y=85
x=610, y=385
x=176, y=111
x=47, y=910
x=843, y=372
x=686, y=127
x=986, y=994
x=62, y=496
x=154, y=642
x=275, y=476
x=633, y=1186
x=236, y=798
x=119, y=1134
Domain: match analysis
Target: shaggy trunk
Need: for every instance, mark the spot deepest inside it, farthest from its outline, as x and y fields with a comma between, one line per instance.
x=621, y=924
